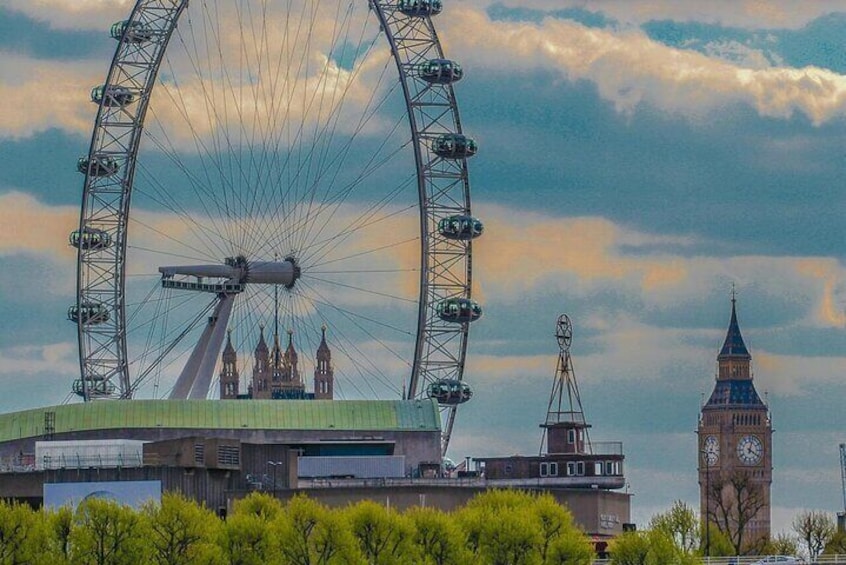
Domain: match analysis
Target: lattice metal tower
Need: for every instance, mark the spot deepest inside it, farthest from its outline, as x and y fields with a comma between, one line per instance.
x=565, y=429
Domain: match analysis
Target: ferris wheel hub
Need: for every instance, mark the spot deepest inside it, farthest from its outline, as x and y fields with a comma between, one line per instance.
x=231, y=275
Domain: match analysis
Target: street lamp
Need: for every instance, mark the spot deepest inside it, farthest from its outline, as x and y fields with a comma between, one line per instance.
x=707, y=503
x=274, y=464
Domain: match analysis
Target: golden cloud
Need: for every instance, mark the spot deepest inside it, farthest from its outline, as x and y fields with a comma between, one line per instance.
x=629, y=68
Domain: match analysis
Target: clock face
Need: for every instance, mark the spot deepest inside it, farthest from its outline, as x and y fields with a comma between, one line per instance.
x=711, y=450
x=750, y=450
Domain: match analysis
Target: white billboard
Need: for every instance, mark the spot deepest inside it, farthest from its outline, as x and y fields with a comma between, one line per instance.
x=130, y=493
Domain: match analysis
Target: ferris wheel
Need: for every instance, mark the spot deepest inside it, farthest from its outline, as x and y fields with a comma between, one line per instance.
x=289, y=163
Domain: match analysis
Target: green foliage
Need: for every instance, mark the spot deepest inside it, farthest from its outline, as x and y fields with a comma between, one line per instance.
x=259, y=504
x=837, y=544
x=681, y=524
x=438, y=538
x=504, y=527
x=720, y=544
x=58, y=524
x=245, y=540
x=653, y=547
x=105, y=532
x=179, y=532
x=307, y=533
x=384, y=537
x=782, y=544
x=22, y=534
x=510, y=527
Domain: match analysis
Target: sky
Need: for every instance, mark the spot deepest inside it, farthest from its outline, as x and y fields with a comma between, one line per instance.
x=638, y=159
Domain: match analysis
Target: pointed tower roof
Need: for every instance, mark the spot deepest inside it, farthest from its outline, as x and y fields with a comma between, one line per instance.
x=323, y=351
x=733, y=345
x=290, y=352
x=262, y=345
x=229, y=351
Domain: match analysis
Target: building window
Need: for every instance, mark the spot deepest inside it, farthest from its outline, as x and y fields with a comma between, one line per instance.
x=199, y=453
x=544, y=469
x=597, y=469
x=609, y=468
x=508, y=469
x=553, y=469
x=571, y=436
x=571, y=469
x=580, y=468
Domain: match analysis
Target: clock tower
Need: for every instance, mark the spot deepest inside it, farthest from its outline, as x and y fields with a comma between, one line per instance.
x=735, y=449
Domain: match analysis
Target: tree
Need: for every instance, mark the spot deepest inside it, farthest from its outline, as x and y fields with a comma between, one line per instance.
x=21, y=534
x=511, y=527
x=383, y=536
x=815, y=529
x=245, y=540
x=734, y=502
x=307, y=533
x=59, y=524
x=500, y=529
x=105, y=532
x=439, y=539
x=653, y=547
x=680, y=524
x=782, y=544
x=180, y=532
x=245, y=537
x=837, y=544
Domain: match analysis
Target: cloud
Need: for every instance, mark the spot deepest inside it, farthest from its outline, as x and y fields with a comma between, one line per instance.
x=628, y=69
x=30, y=227
x=62, y=90
x=753, y=14
x=74, y=14
x=53, y=358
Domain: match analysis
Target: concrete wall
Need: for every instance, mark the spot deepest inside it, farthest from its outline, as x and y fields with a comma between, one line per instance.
x=417, y=447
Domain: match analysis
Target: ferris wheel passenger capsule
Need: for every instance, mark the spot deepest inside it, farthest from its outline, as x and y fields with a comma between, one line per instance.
x=89, y=313
x=459, y=310
x=131, y=32
x=461, y=228
x=112, y=96
x=454, y=146
x=90, y=239
x=99, y=166
x=420, y=7
x=441, y=71
x=98, y=388
x=449, y=392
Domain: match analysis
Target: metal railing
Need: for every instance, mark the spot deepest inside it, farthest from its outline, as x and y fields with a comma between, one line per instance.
x=752, y=560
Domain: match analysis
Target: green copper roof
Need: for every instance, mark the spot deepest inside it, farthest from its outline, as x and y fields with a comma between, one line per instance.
x=344, y=415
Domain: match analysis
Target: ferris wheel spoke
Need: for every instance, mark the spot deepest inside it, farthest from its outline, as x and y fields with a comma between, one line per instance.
x=352, y=352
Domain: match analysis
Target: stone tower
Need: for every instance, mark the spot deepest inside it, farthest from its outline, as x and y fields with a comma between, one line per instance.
x=262, y=372
x=324, y=376
x=229, y=380
x=287, y=382
x=735, y=448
